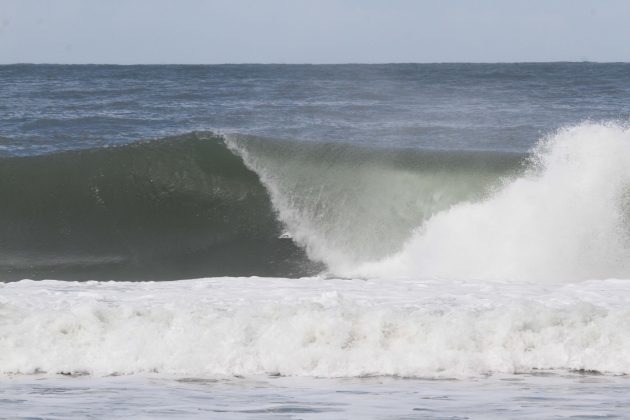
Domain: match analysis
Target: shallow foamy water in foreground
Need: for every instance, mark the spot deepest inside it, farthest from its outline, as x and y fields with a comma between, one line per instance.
x=504, y=396
x=313, y=327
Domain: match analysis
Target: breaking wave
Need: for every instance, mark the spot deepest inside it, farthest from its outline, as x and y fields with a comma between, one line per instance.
x=188, y=206
x=201, y=204
x=565, y=219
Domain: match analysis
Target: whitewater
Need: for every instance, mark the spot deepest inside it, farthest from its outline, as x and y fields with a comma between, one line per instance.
x=317, y=327
x=565, y=219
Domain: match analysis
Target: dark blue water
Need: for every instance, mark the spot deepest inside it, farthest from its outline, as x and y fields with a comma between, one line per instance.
x=463, y=106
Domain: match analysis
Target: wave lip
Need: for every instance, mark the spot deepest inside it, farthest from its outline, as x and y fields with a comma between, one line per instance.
x=348, y=204
x=313, y=327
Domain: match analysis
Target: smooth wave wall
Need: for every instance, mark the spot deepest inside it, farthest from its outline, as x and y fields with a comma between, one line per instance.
x=174, y=208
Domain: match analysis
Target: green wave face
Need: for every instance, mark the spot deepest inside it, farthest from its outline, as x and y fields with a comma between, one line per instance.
x=174, y=208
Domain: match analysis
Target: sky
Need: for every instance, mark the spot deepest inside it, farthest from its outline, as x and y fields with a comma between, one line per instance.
x=312, y=31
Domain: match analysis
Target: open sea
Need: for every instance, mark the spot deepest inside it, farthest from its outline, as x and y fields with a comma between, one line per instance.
x=397, y=241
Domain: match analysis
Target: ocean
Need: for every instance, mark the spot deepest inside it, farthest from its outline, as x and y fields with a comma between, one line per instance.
x=315, y=241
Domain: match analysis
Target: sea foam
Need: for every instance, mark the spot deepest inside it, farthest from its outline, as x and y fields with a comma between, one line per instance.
x=312, y=327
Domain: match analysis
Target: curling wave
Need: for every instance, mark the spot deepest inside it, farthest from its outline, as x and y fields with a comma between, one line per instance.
x=201, y=205
x=348, y=205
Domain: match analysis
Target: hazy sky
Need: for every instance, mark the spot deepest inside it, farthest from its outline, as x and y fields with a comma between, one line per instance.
x=312, y=31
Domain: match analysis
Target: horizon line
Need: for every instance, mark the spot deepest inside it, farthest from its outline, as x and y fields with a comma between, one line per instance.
x=349, y=63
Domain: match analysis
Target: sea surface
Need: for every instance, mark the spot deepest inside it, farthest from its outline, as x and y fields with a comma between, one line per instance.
x=315, y=241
